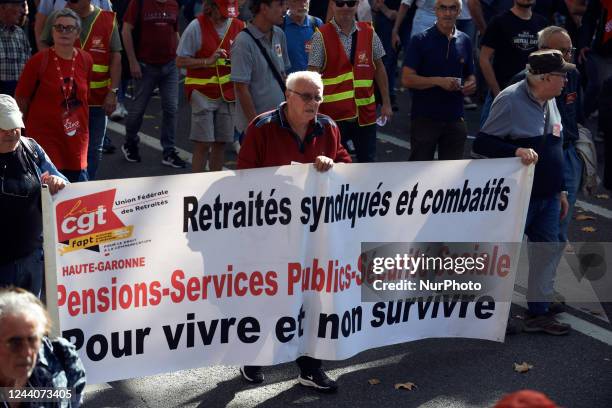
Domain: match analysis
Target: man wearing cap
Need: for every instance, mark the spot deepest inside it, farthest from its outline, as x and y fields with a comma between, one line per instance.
x=24, y=166
x=348, y=54
x=14, y=45
x=525, y=122
x=570, y=108
x=100, y=37
x=204, y=50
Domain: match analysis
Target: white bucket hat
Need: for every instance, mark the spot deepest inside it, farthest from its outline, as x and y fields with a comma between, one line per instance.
x=10, y=115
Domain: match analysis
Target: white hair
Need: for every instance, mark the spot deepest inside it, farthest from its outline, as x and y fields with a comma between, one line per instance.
x=19, y=302
x=306, y=76
x=458, y=2
x=545, y=34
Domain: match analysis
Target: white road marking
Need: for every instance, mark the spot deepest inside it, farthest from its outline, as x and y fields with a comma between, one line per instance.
x=603, y=212
x=393, y=140
x=147, y=140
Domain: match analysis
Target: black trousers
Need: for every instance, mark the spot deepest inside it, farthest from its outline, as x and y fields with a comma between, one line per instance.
x=427, y=134
x=363, y=137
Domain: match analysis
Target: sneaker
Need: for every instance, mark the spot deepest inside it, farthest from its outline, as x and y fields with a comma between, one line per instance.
x=108, y=148
x=556, y=308
x=546, y=324
x=173, y=160
x=252, y=374
x=131, y=153
x=468, y=103
x=118, y=113
x=318, y=380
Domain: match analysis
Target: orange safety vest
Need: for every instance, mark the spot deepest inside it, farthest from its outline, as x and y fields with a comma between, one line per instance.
x=349, y=89
x=214, y=79
x=97, y=44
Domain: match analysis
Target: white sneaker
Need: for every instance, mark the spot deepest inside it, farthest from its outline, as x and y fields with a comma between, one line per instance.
x=119, y=113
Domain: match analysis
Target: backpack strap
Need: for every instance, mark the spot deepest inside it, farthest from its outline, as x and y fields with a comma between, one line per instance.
x=29, y=148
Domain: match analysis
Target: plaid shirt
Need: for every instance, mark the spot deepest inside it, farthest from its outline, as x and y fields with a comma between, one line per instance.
x=14, y=52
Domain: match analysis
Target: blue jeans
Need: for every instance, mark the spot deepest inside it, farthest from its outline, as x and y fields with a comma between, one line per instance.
x=384, y=27
x=486, y=108
x=97, y=132
x=166, y=78
x=542, y=225
x=75, y=176
x=26, y=273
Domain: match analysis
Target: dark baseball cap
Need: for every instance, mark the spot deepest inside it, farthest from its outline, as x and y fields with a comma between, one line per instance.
x=547, y=61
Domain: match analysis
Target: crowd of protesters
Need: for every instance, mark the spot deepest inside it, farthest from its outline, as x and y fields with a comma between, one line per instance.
x=285, y=81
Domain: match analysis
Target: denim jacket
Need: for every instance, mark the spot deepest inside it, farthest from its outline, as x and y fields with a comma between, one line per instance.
x=59, y=365
x=43, y=163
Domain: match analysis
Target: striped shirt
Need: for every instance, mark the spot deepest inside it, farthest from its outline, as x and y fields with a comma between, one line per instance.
x=316, y=58
x=14, y=52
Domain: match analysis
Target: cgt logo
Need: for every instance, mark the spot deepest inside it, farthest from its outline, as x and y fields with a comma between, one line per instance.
x=86, y=215
x=84, y=223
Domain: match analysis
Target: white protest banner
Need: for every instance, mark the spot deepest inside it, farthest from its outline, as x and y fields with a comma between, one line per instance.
x=167, y=273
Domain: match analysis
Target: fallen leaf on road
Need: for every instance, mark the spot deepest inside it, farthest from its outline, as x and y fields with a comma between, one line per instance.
x=602, y=196
x=374, y=381
x=407, y=386
x=588, y=229
x=582, y=217
x=149, y=116
x=388, y=151
x=606, y=359
x=522, y=368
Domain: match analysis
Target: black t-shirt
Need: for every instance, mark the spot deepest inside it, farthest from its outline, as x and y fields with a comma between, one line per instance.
x=20, y=208
x=513, y=39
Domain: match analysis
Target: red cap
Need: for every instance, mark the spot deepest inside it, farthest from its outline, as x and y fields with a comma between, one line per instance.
x=227, y=8
x=525, y=399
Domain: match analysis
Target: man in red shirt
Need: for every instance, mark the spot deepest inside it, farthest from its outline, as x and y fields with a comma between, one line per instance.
x=295, y=132
x=150, y=37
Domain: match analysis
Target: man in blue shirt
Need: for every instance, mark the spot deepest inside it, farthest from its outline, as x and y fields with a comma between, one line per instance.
x=440, y=69
x=299, y=27
x=525, y=122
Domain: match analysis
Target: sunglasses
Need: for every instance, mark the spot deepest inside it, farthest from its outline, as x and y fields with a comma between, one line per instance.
x=348, y=3
x=16, y=344
x=307, y=97
x=60, y=28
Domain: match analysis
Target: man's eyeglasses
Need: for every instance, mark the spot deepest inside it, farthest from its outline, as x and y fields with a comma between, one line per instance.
x=307, y=97
x=16, y=344
x=60, y=28
x=443, y=9
x=347, y=3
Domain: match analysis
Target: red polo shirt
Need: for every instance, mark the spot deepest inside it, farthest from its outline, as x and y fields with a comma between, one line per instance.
x=270, y=141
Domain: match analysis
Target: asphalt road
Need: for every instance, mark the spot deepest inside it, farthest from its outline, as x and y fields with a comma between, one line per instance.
x=574, y=370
